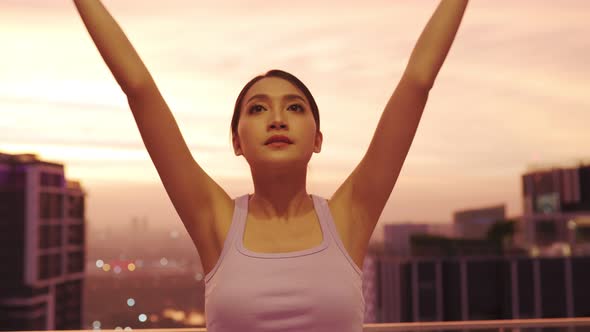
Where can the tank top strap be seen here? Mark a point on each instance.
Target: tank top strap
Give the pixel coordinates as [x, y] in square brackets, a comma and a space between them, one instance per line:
[326, 218]
[242, 201]
[234, 228]
[239, 217]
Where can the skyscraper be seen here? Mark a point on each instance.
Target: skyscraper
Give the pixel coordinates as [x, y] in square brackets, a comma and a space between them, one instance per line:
[556, 205]
[42, 245]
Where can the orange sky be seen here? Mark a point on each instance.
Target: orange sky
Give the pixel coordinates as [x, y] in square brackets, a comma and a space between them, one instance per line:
[512, 93]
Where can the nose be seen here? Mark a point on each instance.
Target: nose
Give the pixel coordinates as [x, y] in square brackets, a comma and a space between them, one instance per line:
[277, 121]
[278, 124]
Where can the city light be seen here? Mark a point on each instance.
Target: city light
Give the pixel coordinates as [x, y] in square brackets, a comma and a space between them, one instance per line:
[195, 318]
[127, 328]
[142, 318]
[130, 302]
[176, 315]
[571, 224]
[106, 267]
[96, 324]
[534, 251]
[117, 269]
[164, 261]
[99, 263]
[131, 267]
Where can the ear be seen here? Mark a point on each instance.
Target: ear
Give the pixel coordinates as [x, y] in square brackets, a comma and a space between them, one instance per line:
[237, 146]
[319, 138]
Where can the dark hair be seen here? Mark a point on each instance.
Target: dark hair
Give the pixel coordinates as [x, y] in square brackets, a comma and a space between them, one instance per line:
[274, 73]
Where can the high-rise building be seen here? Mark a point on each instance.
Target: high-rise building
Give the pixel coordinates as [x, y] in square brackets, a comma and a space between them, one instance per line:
[480, 288]
[474, 223]
[556, 206]
[42, 245]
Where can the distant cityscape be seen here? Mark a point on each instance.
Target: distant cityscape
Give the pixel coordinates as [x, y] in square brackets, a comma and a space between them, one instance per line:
[62, 273]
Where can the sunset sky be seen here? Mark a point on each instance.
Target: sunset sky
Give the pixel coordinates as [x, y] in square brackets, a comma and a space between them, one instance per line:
[513, 93]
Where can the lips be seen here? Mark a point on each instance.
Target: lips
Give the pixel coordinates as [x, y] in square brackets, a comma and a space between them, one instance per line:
[278, 138]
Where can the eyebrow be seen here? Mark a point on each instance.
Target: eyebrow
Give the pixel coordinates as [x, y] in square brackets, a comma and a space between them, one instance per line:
[264, 96]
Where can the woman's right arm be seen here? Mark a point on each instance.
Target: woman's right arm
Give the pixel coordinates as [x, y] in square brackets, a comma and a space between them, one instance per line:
[195, 196]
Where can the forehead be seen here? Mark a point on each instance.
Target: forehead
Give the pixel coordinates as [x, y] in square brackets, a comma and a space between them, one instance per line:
[274, 87]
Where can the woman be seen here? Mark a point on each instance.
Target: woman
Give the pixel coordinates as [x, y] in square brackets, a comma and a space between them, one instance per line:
[280, 258]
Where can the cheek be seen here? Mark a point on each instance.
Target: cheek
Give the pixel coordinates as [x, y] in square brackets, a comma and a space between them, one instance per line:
[311, 126]
[247, 131]
[310, 135]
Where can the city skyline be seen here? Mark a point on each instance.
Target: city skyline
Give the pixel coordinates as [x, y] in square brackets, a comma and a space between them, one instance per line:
[519, 68]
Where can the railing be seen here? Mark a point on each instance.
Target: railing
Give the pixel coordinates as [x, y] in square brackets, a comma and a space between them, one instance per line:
[512, 325]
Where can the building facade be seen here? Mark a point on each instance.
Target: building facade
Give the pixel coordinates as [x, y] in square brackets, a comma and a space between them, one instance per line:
[480, 288]
[556, 207]
[43, 245]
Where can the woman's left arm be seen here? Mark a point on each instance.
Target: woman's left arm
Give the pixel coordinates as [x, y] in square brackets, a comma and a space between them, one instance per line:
[372, 181]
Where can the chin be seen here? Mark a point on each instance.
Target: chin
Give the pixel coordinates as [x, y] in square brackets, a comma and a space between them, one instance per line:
[280, 163]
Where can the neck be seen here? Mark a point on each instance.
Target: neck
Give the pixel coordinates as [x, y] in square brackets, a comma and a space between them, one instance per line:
[280, 194]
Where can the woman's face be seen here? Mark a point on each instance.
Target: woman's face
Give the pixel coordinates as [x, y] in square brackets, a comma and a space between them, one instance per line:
[274, 106]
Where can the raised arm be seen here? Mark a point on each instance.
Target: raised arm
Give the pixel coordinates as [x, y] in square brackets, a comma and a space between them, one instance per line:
[369, 186]
[435, 42]
[113, 46]
[194, 194]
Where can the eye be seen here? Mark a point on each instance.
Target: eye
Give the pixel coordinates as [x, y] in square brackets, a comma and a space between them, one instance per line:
[254, 108]
[297, 106]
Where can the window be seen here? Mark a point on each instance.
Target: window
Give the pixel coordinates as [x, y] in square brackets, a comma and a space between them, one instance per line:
[50, 205]
[76, 234]
[49, 266]
[49, 236]
[52, 180]
[5, 177]
[76, 207]
[12, 178]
